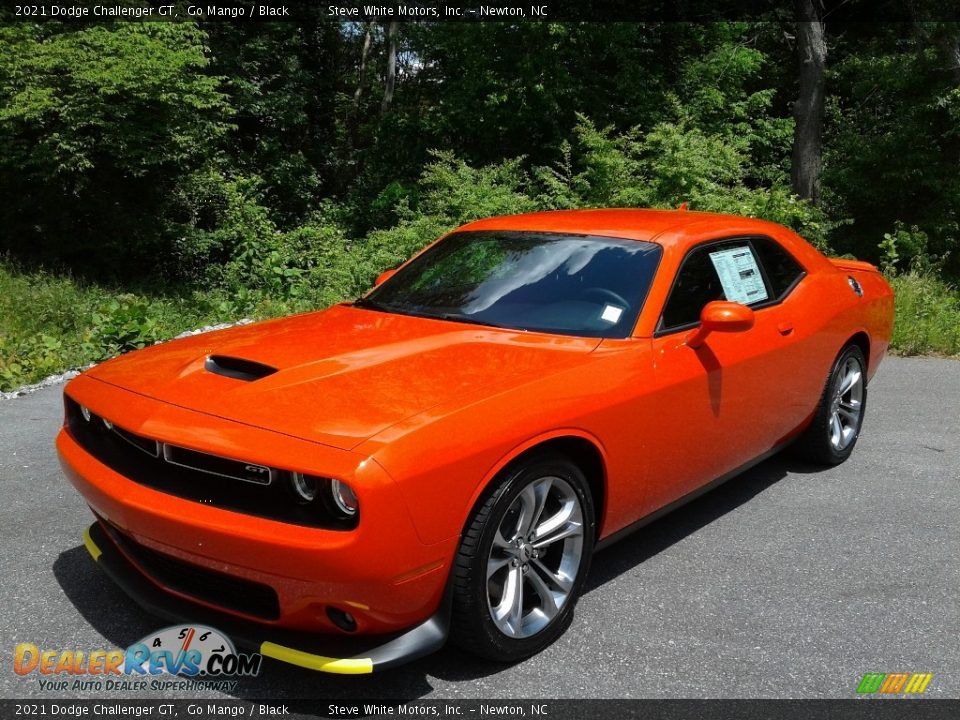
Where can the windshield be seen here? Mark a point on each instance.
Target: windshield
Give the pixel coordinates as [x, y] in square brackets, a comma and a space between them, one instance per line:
[549, 282]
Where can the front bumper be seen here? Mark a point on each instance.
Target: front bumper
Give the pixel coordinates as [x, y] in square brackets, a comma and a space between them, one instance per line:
[380, 572]
[334, 654]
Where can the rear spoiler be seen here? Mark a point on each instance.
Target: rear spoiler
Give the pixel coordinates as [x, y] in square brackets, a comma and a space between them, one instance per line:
[853, 265]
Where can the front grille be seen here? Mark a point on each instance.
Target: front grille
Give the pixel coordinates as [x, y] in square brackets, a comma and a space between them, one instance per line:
[209, 479]
[216, 465]
[151, 447]
[231, 593]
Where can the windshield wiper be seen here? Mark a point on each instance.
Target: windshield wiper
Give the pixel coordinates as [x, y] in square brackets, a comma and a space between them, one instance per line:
[464, 319]
[364, 302]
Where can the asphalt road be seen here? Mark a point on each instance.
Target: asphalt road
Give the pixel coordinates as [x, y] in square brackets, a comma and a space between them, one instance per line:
[788, 582]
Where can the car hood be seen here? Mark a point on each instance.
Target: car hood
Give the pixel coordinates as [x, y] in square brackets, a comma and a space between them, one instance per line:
[342, 375]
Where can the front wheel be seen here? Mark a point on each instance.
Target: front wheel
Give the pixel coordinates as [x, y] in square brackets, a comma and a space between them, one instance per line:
[836, 424]
[523, 559]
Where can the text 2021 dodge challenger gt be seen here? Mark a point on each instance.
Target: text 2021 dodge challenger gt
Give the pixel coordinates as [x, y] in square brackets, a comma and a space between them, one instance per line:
[344, 489]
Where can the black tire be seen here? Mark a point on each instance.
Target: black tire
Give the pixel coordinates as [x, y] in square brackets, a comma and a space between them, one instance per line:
[473, 627]
[815, 444]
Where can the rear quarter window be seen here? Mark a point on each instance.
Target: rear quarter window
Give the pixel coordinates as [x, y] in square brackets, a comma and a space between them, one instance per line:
[782, 270]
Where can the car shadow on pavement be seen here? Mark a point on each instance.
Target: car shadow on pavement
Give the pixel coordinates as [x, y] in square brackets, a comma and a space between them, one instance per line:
[659, 535]
[121, 622]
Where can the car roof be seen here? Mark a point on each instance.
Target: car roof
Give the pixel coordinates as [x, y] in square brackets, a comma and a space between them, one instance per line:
[666, 227]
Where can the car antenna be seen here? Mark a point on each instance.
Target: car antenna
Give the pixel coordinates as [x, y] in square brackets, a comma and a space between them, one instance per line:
[683, 207]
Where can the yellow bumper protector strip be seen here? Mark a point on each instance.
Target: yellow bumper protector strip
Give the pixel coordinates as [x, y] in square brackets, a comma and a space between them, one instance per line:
[344, 666]
[92, 548]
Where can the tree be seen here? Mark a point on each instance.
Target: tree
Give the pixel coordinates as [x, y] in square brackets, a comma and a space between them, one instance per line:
[97, 125]
[950, 42]
[391, 76]
[808, 109]
[361, 73]
[290, 87]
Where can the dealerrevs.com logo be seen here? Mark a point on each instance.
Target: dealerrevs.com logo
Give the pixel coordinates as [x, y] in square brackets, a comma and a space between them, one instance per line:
[202, 655]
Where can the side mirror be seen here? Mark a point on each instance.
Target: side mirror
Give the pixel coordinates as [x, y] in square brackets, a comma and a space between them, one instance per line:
[384, 276]
[720, 316]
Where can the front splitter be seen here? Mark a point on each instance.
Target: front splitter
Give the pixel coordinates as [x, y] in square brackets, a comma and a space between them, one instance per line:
[350, 655]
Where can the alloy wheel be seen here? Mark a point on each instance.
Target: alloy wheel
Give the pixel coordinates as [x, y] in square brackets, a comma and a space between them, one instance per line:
[536, 553]
[847, 405]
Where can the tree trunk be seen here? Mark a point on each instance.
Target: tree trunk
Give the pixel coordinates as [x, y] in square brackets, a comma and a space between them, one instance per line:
[364, 55]
[808, 110]
[391, 79]
[950, 42]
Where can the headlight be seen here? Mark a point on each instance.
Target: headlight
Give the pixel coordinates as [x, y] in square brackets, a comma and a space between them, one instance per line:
[344, 498]
[305, 487]
[335, 496]
[85, 411]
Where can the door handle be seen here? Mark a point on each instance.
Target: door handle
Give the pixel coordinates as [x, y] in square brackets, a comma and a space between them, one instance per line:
[785, 328]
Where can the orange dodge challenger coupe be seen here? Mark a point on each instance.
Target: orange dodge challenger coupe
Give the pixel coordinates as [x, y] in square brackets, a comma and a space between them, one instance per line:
[345, 489]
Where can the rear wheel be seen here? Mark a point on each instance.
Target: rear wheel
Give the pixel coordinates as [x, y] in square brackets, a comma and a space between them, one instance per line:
[836, 425]
[523, 560]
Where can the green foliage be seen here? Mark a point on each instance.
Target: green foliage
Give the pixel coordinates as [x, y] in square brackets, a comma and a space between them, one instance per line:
[247, 169]
[219, 219]
[51, 323]
[452, 190]
[927, 309]
[600, 170]
[124, 323]
[33, 359]
[909, 248]
[927, 315]
[284, 85]
[82, 92]
[665, 167]
[450, 193]
[97, 124]
[892, 141]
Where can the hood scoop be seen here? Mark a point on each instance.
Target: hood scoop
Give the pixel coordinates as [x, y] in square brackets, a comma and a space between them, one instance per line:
[237, 368]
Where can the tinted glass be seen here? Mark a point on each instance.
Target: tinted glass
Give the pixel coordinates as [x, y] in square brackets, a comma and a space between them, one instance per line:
[550, 282]
[782, 270]
[699, 283]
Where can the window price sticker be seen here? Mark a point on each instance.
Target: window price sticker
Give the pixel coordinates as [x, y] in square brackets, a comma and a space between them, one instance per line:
[739, 275]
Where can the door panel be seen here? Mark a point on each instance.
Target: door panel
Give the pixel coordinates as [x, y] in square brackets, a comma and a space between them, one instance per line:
[734, 397]
[722, 402]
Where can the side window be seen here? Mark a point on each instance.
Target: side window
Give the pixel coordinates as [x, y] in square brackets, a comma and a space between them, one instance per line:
[719, 271]
[782, 270]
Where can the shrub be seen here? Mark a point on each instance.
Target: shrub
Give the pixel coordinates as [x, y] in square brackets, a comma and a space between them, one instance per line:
[98, 123]
[51, 323]
[225, 235]
[667, 166]
[927, 315]
[909, 249]
[450, 193]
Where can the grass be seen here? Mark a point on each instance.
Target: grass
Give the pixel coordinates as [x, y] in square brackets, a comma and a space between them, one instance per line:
[927, 316]
[51, 323]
